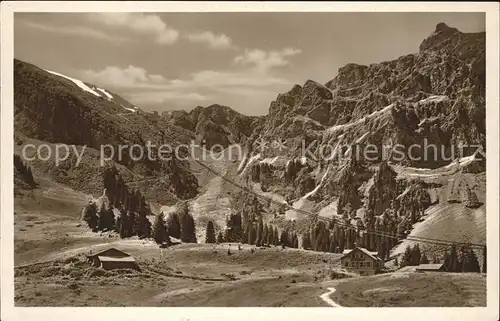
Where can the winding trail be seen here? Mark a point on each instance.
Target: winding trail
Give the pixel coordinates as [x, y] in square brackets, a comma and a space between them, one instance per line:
[326, 297]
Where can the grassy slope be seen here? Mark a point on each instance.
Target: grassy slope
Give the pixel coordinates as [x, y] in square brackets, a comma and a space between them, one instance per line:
[413, 290]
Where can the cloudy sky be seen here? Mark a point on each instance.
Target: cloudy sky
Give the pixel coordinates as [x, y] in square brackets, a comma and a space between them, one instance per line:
[171, 61]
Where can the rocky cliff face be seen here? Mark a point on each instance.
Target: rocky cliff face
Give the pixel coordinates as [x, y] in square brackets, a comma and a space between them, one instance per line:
[437, 93]
[433, 97]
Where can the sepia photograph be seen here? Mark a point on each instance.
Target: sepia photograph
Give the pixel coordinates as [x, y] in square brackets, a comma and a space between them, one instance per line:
[249, 158]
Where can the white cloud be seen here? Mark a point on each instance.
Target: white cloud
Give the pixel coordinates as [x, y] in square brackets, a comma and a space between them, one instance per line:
[79, 31]
[141, 23]
[205, 85]
[158, 97]
[213, 41]
[130, 77]
[266, 60]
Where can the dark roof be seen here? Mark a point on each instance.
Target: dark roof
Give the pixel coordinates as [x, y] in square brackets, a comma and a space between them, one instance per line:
[111, 252]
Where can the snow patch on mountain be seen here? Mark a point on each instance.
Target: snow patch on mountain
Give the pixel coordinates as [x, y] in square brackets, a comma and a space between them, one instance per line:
[315, 190]
[434, 99]
[250, 161]
[108, 95]
[77, 82]
[130, 109]
[360, 121]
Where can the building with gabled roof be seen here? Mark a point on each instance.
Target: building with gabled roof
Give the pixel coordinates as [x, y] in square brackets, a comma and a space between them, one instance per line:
[113, 258]
[438, 267]
[361, 261]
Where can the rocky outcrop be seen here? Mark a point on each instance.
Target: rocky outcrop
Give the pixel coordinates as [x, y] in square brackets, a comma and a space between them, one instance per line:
[432, 97]
[436, 95]
[215, 125]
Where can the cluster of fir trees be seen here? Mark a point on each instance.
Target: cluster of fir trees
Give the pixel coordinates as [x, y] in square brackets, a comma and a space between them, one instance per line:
[246, 225]
[463, 260]
[179, 224]
[413, 256]
[99, 219]
[133, 218]
[23, 169]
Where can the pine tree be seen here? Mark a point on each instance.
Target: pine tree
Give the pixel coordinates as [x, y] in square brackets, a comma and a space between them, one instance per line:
[90, 215]
[173, 225]
[424, 259]
[259, 231]
[159, 229]
[341, 240]
[220, 237]
[325, 243]
[188, 229]
[144, 223]
[454, 264]
[416, 255]
[124, 223]
[252, 233]
[295, 241]
[473, 262]
[106, 218]
[407, 257]
[265, 233]
[270, 235]
[306, 241]
[283, 238]
[446, 261]
[381, 250]
[333, 244]
[210, 233]
[483, 269]
[29, 176]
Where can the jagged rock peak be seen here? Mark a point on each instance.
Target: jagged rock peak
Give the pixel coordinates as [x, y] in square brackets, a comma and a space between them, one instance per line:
[438, 38]
[443, 26]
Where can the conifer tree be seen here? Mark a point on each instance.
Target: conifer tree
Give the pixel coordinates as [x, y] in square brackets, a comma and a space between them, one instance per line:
[270, 235]
[473, 262]
[416, 255]
[483, 269]
[333, 244]
[295, 241]
[220, 237]
[306, 241]
[210, 233]
[381, 251]
[265, 233]
[106, 218]
[124, 222]
[424, 259]
[90, 215]
[259, 231]
[407, 257]
[159, 229]
[283, 238]
[252, 233]
[453, 267]
[188, 230]
[341, 241]
[173, 225]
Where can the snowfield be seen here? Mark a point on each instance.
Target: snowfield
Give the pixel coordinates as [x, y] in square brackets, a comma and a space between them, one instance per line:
[77, 82]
